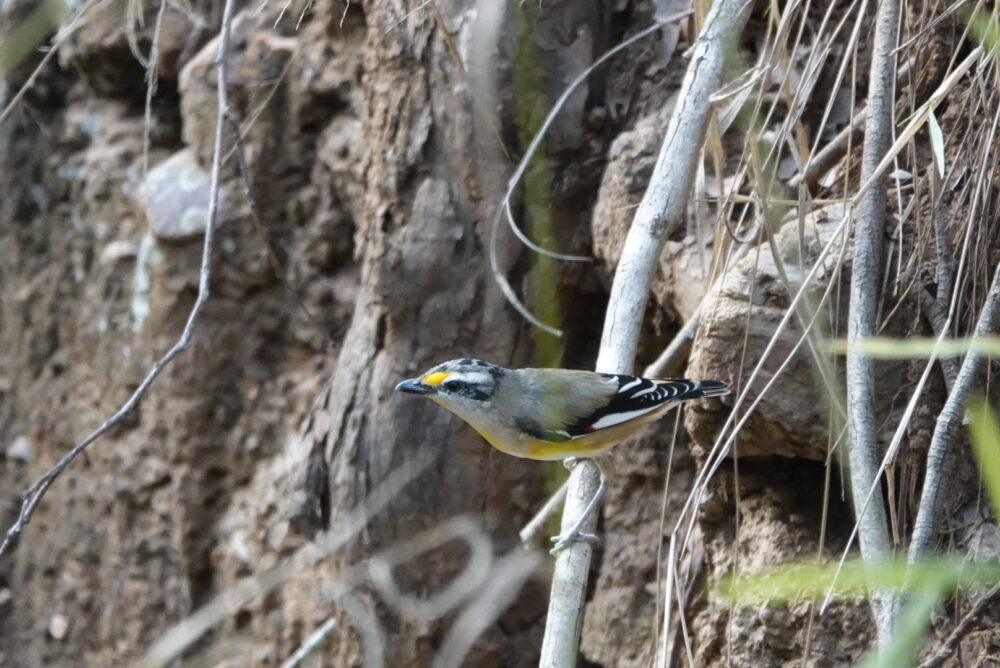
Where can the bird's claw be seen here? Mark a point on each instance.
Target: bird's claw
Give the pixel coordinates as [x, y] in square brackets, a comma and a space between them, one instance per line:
[562, 542]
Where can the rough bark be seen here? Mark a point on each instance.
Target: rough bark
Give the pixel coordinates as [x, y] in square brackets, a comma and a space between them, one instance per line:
[374, 168]
[873, 532]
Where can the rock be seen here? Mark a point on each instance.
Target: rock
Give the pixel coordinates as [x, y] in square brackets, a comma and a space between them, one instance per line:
[108, 44]
[255, 54]
[20, 449]
[791, 418]
[58, 626]
[177, 195]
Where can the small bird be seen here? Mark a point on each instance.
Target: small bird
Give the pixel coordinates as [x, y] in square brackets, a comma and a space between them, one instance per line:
[552, 414]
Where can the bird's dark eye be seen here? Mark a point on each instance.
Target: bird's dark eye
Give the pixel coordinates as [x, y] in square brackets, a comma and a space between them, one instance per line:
[453, 386]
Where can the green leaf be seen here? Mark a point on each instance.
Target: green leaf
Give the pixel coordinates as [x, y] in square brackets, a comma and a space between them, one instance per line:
[937, 140]
[885, 348]
[985, 434]
[794, 582]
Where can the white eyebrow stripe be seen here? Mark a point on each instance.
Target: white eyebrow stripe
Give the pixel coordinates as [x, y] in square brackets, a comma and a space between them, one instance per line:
[618, 418]
[625, 388]
[473, 378]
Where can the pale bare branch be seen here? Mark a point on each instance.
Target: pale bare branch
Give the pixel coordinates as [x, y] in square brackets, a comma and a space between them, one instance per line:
[661, 210]
[862, 316]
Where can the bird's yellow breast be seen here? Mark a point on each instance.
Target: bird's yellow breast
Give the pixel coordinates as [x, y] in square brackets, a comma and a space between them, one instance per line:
[520, 444]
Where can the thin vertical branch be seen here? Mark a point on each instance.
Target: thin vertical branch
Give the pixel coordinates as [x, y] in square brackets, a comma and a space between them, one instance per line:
[941, 456]
[33, 495]
[862, 318]
[661, 210]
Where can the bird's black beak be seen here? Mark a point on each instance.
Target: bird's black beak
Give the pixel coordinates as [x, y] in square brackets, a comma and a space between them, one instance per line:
[414, 386]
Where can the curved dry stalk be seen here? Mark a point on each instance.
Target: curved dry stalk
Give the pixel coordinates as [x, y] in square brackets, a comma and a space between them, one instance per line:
[364, 621]
[536, 141]
[33, 495]
[662, 208]
[866, 265]
[504, 209]
[496, 595]
[187, 631]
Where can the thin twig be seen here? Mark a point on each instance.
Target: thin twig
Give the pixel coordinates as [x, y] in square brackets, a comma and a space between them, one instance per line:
[948, 646]
[34, 494]
[820, 163]
[537, 523]
[152, 77]
[64, 33]
[180, 636]
[916, 123]
[680, 345]
[938, 318]
[495, 595]
[311, 643]
[504, 210]
[862, 316]
[661, 210]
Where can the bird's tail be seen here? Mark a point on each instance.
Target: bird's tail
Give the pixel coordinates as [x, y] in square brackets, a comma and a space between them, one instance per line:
[711, 388]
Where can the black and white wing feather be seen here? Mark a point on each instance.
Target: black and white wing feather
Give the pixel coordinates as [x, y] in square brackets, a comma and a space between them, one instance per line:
[636, 397]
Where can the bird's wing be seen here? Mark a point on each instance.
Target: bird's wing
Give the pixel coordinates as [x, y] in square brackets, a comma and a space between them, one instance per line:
[570, 404]
[634, 398]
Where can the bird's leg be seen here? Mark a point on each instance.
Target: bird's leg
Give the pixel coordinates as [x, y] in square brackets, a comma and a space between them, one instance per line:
[575, 534]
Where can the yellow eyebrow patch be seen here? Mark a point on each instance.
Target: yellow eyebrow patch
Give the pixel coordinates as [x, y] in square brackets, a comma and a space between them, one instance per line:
[434, 379]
